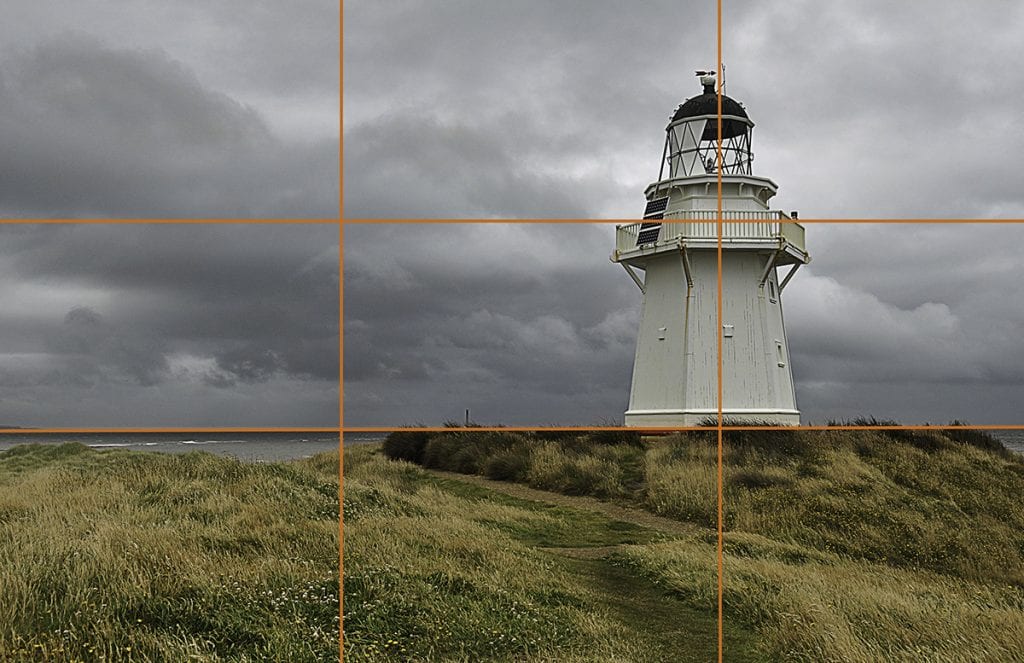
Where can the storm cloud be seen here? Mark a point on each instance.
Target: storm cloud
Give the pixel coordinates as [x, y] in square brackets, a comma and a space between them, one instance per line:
[546, 110]
[154, 111]
[169, 325]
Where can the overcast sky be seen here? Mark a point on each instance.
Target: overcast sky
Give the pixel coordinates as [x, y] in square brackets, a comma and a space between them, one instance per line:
[191, 108]
[168, 325]
[534, 109]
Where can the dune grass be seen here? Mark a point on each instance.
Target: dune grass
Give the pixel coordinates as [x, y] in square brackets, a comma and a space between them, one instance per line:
[840, 545]
[439, 570]
[131, 556]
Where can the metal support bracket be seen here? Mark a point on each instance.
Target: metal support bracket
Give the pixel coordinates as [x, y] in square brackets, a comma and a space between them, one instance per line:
[632, 275]
[768, 267]
[686, 265]
[782, 285]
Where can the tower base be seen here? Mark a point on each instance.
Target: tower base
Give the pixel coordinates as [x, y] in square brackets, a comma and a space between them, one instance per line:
[706, 417]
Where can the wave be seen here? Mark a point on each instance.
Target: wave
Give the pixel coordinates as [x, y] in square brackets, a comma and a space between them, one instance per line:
[99, 445]
[212, 441]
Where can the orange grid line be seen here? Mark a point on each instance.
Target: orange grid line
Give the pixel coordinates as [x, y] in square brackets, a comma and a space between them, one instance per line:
[206, 221]
[386, 221]
[174, 429]
[341, 331]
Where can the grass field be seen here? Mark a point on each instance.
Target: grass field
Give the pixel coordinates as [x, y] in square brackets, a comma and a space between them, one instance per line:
[441, 570]
[840, 546]
[129, 556]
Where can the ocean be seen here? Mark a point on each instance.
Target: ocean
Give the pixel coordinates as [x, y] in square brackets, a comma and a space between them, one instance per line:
[260, 447]
[1011, 439]
[264, 447]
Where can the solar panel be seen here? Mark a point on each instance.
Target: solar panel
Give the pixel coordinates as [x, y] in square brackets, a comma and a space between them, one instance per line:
[656, 208]
[648, 233]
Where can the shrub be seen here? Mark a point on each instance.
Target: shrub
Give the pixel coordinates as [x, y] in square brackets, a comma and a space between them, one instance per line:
[628, 437]
[508, 465]
[467, 452]
[406, 445]
[555, 435]
[975, 438]
[552, 467]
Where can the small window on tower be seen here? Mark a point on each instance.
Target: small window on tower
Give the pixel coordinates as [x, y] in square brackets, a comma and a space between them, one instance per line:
[778, 351]
[771, 290]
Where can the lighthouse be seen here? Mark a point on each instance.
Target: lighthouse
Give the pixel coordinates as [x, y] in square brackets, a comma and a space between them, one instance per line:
[672, 257]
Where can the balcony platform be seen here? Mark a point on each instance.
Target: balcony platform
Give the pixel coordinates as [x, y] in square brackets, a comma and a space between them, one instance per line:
[698, 230]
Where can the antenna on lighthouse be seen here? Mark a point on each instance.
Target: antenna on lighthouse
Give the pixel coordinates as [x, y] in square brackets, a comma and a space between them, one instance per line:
[707, 79]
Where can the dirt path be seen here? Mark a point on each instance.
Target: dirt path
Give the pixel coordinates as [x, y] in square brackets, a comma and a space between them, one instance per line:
[669, 628]
[583, 503]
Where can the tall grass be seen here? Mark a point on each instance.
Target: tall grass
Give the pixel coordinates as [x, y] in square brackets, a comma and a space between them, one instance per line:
[840, 544]
[118, 556]
[432, 575]
[820, 607]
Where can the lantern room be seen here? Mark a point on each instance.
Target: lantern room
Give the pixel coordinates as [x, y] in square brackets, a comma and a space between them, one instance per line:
[692, 135]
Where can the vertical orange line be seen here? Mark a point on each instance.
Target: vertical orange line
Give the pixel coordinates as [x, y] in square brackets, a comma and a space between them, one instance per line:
[720, 542]
[341, 439]
[341, 108]
[341, 331]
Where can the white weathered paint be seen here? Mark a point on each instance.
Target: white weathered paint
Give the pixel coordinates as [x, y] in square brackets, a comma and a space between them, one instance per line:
[675, 372]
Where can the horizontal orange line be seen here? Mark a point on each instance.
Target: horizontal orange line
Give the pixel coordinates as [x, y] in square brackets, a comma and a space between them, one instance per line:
[622, 221]
[162, 221]
[660, 429]
[44, 431]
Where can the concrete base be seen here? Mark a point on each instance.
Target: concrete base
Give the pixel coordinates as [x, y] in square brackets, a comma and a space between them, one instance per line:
[689, 418]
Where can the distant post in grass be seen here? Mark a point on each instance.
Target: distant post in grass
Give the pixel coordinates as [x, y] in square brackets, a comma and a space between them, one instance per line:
[672, 257]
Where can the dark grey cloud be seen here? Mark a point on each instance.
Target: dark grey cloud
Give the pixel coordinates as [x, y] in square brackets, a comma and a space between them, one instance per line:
[510, 109]
[169, 325]
[531, 324]
[513, 322]
[223, 109]
[525, 109]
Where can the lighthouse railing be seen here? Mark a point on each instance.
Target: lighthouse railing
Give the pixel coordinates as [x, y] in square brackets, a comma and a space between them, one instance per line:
[703, 225]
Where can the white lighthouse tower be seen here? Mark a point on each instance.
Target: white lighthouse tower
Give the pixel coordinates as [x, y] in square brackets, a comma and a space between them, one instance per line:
[672, 257]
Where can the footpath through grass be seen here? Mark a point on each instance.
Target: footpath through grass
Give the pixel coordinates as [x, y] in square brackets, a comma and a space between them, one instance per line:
[840, 545]
[438, 569]
[133, 556]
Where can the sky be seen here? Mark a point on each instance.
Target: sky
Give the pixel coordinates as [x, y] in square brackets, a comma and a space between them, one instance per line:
[536, 109]
[170, 325]
[154, 109]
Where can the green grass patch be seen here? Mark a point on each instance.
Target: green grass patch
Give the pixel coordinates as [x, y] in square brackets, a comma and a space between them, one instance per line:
[117, 555]
[438, 569]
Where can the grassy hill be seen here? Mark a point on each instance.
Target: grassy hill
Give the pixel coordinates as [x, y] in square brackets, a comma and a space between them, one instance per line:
[840, 545]
[129, 556]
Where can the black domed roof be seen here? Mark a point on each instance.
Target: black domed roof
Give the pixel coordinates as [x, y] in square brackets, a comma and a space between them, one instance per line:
[707, 104]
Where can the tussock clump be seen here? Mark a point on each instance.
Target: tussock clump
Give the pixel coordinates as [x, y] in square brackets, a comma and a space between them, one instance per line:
[613, 437]
[975, 438]
[406, 445]
[597, 473]
[468, 451]
[511, 465]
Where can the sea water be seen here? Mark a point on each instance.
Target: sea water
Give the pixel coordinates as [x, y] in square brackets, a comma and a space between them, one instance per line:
[264, 447]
